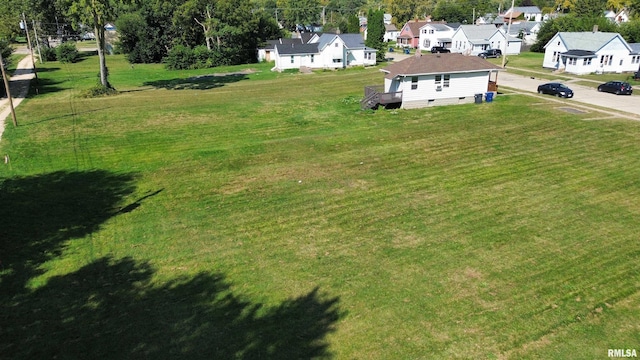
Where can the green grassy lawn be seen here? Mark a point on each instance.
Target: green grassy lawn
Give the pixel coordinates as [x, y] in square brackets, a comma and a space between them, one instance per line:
[240, 213]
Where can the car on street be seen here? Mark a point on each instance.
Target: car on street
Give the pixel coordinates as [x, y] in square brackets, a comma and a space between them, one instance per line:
[557, 89]
[491, 53]
[439, 49]
[616, 87]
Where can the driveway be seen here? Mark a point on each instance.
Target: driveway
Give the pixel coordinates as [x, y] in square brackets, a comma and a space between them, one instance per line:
[585, 95]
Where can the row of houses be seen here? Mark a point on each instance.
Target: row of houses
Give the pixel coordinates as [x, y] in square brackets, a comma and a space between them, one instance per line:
[318, 51]
[466, 39]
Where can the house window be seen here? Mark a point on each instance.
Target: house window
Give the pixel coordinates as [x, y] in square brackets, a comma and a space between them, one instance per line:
[438, 82]
[635, 59]
[606, 59]
[337, 61]
[447, 77]
[427, 43]
[292, 59]
[556, 56]
[621, 62]
[572, 61]
[414, 82]
[586, 61]
[311, 57]
[430, 31]
[336, 45]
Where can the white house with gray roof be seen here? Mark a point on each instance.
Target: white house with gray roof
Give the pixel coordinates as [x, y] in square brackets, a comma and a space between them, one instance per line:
[329, 51]
[473, 39]
[435, 34]
[590, 52]
[528, 13]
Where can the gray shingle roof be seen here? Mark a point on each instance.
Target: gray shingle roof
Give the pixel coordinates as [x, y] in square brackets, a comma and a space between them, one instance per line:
[478, 32]
[586, 40]
[296, 49]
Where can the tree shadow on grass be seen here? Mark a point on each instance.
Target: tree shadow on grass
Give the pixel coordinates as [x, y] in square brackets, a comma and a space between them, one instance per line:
[39, 213]
[112, 308]
[203, 82]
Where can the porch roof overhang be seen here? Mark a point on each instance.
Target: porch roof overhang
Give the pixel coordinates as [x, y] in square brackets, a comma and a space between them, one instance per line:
[579, 54]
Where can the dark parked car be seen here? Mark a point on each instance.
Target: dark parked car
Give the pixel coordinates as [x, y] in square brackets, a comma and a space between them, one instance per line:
[491, 53]
[439, 49]
[616, 87]
[557, 89]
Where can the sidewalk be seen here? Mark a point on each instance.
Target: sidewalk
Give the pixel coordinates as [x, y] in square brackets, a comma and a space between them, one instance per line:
[19, 87]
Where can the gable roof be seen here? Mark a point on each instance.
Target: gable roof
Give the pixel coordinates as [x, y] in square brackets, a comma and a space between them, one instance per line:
[438, 64]
[525, 9]
[296, 49]
[437, 26]
[414, 27]
[478, 33]
[635, 48]
[586, 40]
[351, 41]
[390, 27]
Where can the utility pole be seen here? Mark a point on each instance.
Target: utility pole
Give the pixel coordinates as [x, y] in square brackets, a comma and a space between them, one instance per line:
[6, 86]
[35, 33]
[33, 61]
[506, 37]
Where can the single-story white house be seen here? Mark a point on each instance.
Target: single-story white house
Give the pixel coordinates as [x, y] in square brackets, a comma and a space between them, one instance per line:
[434, 79]
[329, 51]
[590, 52]
[474, 39]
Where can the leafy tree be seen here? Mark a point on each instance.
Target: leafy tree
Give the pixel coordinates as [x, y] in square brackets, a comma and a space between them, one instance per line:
[97, 13]
[375, 32]
[448, 11]
[630, 31]
[299, 12]
[589, 8]
[570, 23]
[141, 42]
[402, 10]
[353, 24]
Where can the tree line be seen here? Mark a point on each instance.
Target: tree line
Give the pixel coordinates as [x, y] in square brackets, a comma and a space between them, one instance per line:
[200, 33]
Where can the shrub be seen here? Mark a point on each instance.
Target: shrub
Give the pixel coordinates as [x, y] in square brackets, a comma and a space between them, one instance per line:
[67, 52]
[48, 54]
[180, 57]
[202, 57]
[99, 90]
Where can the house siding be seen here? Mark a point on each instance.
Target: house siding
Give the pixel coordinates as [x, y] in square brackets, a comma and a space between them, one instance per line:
[612, 57]
[462, 89]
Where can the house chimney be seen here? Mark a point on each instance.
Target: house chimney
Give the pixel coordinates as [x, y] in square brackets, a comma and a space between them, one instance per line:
[595, 28]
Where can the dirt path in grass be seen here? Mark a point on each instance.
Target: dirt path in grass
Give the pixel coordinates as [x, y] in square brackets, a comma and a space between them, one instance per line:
[19, 88]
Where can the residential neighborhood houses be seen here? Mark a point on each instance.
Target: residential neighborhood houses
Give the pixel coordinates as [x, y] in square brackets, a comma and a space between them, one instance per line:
[590, 52]
[572, 52]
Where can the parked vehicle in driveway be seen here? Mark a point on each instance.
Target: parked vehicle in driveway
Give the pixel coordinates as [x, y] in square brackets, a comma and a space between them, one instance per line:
[491, 53]
[557, 89]
[439, 49]
[616, 87]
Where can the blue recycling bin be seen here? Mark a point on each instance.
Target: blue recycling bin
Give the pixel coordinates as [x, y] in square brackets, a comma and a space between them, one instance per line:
[407, 51]
[489, 97]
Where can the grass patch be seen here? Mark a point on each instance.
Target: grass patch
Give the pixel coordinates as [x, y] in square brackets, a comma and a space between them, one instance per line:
[269, 217]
